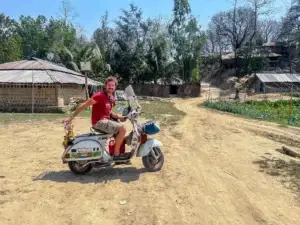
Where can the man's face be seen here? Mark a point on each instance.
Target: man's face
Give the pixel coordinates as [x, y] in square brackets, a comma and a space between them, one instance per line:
[110, 87]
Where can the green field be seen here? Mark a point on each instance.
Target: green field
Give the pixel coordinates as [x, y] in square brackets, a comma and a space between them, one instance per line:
[282, 111]
[163, 111]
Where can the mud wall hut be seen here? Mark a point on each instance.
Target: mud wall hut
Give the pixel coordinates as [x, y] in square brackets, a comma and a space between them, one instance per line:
[40, 85]
[165, 89]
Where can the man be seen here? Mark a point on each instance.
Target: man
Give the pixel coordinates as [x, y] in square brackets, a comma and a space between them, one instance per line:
[102, 103]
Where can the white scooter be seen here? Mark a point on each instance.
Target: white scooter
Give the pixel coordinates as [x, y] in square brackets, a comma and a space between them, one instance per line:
[85, 151]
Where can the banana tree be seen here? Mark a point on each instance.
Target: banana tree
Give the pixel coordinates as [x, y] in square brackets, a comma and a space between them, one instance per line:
[89, 52]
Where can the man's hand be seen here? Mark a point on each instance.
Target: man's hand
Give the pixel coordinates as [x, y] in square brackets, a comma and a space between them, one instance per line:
[67, 120]
[117, 117]
[122, 118]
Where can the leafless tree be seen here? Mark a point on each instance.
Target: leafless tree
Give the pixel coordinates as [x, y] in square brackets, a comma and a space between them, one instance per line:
[269, 29]
[259, 7]
[216, 43]
[67, 12]
[235, 26]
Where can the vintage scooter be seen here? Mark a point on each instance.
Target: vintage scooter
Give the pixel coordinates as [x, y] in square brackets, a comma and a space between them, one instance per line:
[95, 149]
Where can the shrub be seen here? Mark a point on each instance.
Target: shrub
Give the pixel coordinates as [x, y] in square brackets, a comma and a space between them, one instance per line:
[281, 111]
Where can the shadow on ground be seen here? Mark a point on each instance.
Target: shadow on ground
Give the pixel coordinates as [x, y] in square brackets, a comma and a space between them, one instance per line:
[104, 175]
[287, 171]
[290, 141]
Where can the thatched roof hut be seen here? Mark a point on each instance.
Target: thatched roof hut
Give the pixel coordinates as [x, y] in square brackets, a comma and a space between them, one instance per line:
[39, 84]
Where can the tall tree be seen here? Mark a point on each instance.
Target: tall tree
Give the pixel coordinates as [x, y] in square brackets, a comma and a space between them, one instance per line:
[269, 29]
[33, 35]
[216, 42]
[187, 40]
[10, 41]
[159, 52]
[67, 12]
[290, 33]
[129, 51]
[236, 26]
[259, 7]
[104, 37]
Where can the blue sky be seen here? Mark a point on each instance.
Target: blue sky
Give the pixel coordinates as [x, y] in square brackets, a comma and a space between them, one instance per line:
[90, 11]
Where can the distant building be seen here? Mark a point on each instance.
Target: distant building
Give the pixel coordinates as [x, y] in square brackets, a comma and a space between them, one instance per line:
[274, 83]
[276, 53]
[167, 88]
[41, 84]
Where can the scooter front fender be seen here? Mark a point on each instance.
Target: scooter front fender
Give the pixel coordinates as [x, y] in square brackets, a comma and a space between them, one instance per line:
[146, 148]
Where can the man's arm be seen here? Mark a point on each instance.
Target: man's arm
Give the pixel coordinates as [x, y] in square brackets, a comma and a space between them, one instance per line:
[84, 105]
[116, 116]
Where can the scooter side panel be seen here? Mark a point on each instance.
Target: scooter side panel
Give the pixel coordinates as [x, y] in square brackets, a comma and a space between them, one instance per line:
[146, 148]
[99, 138]
[85, 150]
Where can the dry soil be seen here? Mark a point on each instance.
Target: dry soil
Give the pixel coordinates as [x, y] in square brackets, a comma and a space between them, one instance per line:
[219, 169]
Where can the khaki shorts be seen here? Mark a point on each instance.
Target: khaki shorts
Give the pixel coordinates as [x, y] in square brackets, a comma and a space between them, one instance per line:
[108, 126]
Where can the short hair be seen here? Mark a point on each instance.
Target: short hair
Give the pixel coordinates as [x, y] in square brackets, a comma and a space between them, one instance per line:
[111, 78]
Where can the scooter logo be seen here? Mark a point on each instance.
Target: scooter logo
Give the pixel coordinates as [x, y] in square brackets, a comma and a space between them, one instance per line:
[84, 149]
[86, 153]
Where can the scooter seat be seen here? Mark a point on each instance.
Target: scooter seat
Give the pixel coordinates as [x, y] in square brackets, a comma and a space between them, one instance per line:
[98, 131]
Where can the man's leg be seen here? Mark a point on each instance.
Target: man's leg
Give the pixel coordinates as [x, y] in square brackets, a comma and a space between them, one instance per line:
[113, 127]
[119, 139]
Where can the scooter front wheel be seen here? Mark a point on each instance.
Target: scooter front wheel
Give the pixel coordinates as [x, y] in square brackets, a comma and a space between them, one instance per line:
[151, 163]
[79, 168]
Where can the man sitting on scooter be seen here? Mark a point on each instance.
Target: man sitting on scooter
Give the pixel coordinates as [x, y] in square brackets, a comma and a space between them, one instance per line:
[102, 103]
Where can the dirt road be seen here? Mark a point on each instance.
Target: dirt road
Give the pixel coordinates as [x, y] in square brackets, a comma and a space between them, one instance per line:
[219, 169]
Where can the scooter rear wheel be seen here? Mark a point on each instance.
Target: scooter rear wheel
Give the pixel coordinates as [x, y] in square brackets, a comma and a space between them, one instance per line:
[151, 164]
[78, 168]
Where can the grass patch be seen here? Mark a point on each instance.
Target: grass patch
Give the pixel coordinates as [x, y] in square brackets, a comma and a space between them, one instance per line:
[285, 112]
[288, 172]
[293, 94]
[163, 111]
[10, 117]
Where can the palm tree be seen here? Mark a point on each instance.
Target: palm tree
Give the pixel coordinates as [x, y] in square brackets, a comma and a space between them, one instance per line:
[85, 53]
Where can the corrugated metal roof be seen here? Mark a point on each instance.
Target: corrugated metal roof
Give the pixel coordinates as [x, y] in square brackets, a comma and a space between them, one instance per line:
[255, 54]
[36, 64]
[230, 55]
[42, 71]
[42, 76]
[173, 81]
[272, 43]
[278, 78]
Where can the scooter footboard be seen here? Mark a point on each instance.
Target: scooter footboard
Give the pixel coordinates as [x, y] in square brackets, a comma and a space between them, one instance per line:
[84, 150]
[146, 148]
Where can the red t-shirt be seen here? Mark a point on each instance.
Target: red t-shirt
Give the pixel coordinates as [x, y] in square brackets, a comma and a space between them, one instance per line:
[102, 109]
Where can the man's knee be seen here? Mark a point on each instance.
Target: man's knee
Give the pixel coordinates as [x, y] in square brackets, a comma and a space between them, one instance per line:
[122, 130]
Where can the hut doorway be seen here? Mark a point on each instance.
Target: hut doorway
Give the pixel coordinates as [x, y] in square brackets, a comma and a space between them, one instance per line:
[173, 90]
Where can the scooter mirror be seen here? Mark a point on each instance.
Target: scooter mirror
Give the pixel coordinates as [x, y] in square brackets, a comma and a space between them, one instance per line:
[129, 93]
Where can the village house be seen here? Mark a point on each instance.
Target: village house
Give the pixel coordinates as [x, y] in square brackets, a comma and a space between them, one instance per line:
[276, 83]
[276, 53]
[39, 85]
[165, 89]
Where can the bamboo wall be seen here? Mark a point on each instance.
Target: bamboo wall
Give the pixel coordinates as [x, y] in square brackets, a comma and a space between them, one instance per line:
[45, 98]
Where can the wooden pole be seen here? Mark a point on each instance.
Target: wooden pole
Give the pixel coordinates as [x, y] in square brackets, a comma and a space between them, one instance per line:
[86, 87]
[32, 94]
